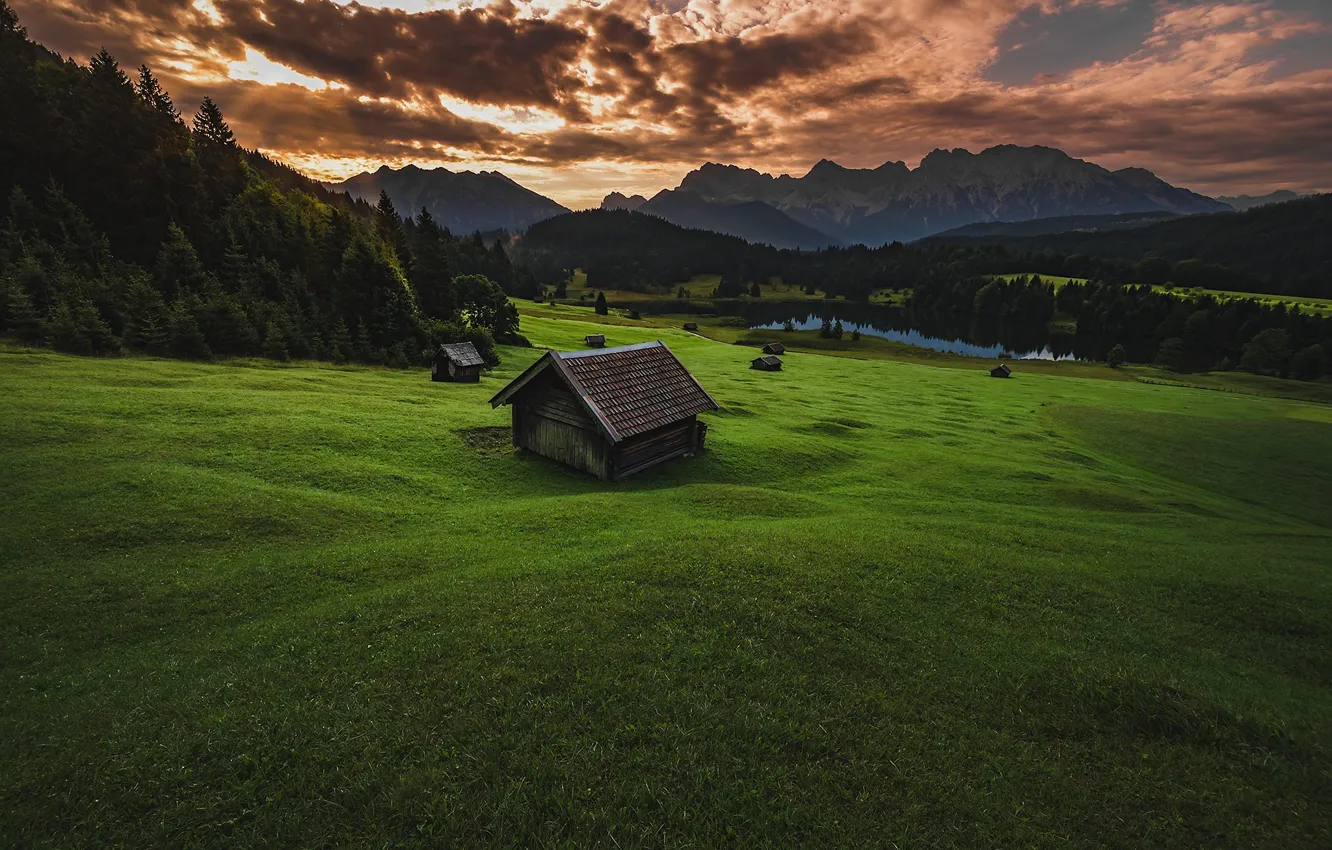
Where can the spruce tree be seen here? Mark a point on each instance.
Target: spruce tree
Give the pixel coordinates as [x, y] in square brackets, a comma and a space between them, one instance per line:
[22, 319]
[389, 226]
[184, 337]
[64, 331]
[210, 126]
[179, 270]
[152, 94]
[275, 343]
[339, 342]
[601, 304]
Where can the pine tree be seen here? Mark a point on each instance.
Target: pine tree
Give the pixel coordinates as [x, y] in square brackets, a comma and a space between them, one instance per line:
[754, 290]
[64, 332]
[275, 343]
[364, 350]
[212, 127]
[22, 319]
[9, 21]
[184, 337]
[340, 343]
[388, 224]
[179, 270]
[152, 94]
[601, 304]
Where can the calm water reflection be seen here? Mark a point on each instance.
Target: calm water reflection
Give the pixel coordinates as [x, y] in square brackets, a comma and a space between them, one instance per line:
[967, 335]
[962, 343]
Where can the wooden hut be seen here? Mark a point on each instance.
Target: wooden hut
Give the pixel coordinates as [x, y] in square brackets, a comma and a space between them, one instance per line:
[595, 340]
[766, 363]
[458, 362]
[1001, 371]
[612, 412]
[691, 326]
[774, 348]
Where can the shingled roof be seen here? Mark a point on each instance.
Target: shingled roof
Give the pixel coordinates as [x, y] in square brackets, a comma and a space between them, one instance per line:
[461, 353]
[630, 390]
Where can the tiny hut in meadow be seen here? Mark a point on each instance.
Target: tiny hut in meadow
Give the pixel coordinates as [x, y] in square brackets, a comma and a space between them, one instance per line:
[612, 412]
[691, 326]
[595, 340]
[767, 363]
[774, 348]
[458, 362]
[1001, 371]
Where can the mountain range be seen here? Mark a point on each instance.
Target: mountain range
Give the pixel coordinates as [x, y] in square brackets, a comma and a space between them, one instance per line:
[893, 202]
[462, 201]
[1248, 202]
[831, 205]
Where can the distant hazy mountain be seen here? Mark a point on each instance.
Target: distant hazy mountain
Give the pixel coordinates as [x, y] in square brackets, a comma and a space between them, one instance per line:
[950, 189]
[1060, 224]
[1248, 202]
[616, 201]
[462, 201]
[753, 221]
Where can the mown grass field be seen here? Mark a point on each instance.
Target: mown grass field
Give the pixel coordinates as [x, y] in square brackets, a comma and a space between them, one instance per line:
[891, 605]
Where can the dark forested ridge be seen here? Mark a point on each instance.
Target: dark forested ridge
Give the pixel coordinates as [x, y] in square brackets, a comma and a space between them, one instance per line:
[1281, 249]
[122, 226]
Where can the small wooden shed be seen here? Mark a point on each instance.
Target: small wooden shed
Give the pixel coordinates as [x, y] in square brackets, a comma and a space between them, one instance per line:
[458, 362]
[691, 326]
[1001, 371]
[774, 348]
[612, 412]
[767, 363]
[595, 340]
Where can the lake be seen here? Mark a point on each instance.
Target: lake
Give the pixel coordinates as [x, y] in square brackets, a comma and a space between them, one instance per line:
[971, 336]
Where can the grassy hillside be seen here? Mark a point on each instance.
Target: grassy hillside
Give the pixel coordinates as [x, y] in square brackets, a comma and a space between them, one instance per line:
[891, 605]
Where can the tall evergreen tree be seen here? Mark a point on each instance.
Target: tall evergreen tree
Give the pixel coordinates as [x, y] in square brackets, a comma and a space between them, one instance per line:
[155, 97]
[211, 127]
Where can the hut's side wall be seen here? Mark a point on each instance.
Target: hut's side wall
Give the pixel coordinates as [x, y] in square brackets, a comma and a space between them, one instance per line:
[550, 422]
[670, 441]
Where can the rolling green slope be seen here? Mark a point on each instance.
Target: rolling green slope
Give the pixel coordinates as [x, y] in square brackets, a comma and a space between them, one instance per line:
[890, 604]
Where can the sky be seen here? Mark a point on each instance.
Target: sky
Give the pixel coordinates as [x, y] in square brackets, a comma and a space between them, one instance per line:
[578, 98]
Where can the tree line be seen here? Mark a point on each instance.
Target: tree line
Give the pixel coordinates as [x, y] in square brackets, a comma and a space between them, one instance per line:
[1184, 334]
[123, 227]
[1181, 330]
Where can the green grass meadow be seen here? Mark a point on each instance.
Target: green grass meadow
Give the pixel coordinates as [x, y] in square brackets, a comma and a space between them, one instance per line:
[891, 605]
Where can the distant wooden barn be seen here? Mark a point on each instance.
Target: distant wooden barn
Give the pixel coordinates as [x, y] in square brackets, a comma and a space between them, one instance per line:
[691, 326]
[1001, 371]
[612, 412]
[595, 340]
[458, 362]
[767, 363]
[774, 348]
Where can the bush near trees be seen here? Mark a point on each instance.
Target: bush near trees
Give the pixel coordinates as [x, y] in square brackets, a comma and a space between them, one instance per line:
[1267, 352]
[1116, 357]
[187, 245]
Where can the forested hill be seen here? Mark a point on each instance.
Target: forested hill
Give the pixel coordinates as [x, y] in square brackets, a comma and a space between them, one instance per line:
[124, 227]
[1279, 248]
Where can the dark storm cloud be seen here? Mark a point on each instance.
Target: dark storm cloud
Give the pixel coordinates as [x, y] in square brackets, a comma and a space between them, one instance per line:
[487, 56]
[860, 81]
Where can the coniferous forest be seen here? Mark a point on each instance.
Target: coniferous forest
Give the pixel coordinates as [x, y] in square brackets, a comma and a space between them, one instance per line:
[126, 226]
